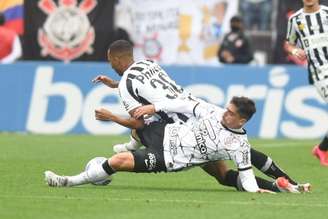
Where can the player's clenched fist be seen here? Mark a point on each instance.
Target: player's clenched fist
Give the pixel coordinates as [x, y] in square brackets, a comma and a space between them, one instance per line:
[103, 114]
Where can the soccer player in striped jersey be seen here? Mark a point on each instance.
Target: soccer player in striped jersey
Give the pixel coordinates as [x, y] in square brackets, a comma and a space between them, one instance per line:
[307, 38]
[145, 82]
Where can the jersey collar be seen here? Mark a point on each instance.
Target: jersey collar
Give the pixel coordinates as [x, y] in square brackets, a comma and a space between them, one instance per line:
[240, 131]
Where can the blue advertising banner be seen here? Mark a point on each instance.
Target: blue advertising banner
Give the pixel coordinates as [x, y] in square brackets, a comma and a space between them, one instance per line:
[54, 98]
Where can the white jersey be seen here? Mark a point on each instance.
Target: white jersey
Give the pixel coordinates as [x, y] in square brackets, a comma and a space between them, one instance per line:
[311, 31]
[145, 82]
[203, 139]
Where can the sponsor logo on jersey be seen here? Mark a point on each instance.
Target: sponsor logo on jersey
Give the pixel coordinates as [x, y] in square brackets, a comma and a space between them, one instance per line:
[151, 161]
[173, 141]
[200, 139]
[245, 157]
[66, 33]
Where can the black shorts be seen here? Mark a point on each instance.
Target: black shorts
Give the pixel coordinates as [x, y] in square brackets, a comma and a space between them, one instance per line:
[151, 158]
[152, 135]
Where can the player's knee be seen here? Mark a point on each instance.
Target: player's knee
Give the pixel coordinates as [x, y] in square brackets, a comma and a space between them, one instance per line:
[122, 161]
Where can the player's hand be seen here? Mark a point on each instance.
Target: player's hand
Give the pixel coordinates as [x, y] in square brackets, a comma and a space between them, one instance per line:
[227, 56]
[99, 78]
[265, 191]
[144, 110]
[103, 114]
[105, 80]
[299, 53]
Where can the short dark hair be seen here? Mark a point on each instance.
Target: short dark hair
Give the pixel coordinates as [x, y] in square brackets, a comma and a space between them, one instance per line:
[245, 106]
[121, 46]
[2, 18]
[236, 18]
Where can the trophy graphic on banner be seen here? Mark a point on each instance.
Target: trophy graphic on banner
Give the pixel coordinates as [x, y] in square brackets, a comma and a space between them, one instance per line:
[184, 32]
[212, 29]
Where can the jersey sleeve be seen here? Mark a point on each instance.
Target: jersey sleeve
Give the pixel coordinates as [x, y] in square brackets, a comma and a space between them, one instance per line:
[128, 94]
[184, 105]
[203, 109]
[291, 36]
[242, 159]
[248, 180]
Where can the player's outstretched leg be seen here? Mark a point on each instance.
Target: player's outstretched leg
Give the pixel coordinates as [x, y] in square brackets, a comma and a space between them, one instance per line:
[93, 174]
[321, 151]
[279, 185]
[267, 166]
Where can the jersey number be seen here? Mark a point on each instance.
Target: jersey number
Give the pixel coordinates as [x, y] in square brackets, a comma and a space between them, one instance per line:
[167, 85]
[324, 91]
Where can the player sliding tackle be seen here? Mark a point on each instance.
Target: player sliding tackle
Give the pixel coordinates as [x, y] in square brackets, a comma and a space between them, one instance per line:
[212, 134]
[145, 82]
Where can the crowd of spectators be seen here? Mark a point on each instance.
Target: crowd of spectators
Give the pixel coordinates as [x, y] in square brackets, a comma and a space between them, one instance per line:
[237, 46]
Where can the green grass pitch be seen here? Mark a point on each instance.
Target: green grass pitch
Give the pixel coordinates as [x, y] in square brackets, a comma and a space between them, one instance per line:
[189, 194]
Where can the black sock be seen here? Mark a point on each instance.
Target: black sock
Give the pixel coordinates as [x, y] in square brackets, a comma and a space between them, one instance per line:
[274, 171]
[258, 159]
[267, 166]
[231, 179]
[265, 184]
[324, 144]
[108, 169]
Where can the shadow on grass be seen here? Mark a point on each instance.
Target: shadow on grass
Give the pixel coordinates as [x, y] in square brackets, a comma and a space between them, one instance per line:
[154, 188]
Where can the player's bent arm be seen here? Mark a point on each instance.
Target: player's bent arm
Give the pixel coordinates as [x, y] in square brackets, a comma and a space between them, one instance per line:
[176, 105]
[290, 48]
[294, 50]
[241, 157]
[106, 115]
[248, 181]
[111, 83]
[131, 123]
[106, 80]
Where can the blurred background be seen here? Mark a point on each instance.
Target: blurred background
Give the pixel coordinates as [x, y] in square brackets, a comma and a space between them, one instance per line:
[51, 49]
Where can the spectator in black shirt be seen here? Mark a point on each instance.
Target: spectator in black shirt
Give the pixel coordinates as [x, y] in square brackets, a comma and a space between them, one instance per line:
[235, 47]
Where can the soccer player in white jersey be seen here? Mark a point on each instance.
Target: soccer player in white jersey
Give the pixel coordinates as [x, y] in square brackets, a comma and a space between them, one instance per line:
[212, 134]
[145, 82]
[307, 38]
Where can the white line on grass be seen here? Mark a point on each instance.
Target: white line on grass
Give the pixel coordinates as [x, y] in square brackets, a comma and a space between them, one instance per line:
[189, 201]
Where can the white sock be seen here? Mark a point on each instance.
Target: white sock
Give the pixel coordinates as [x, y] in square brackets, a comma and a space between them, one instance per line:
[267, 165]
[133, 144]
[94, 174]
[76, 180]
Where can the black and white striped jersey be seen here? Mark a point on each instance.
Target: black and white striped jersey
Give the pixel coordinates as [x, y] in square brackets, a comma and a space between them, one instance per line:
[310, 30]
[145, 82]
